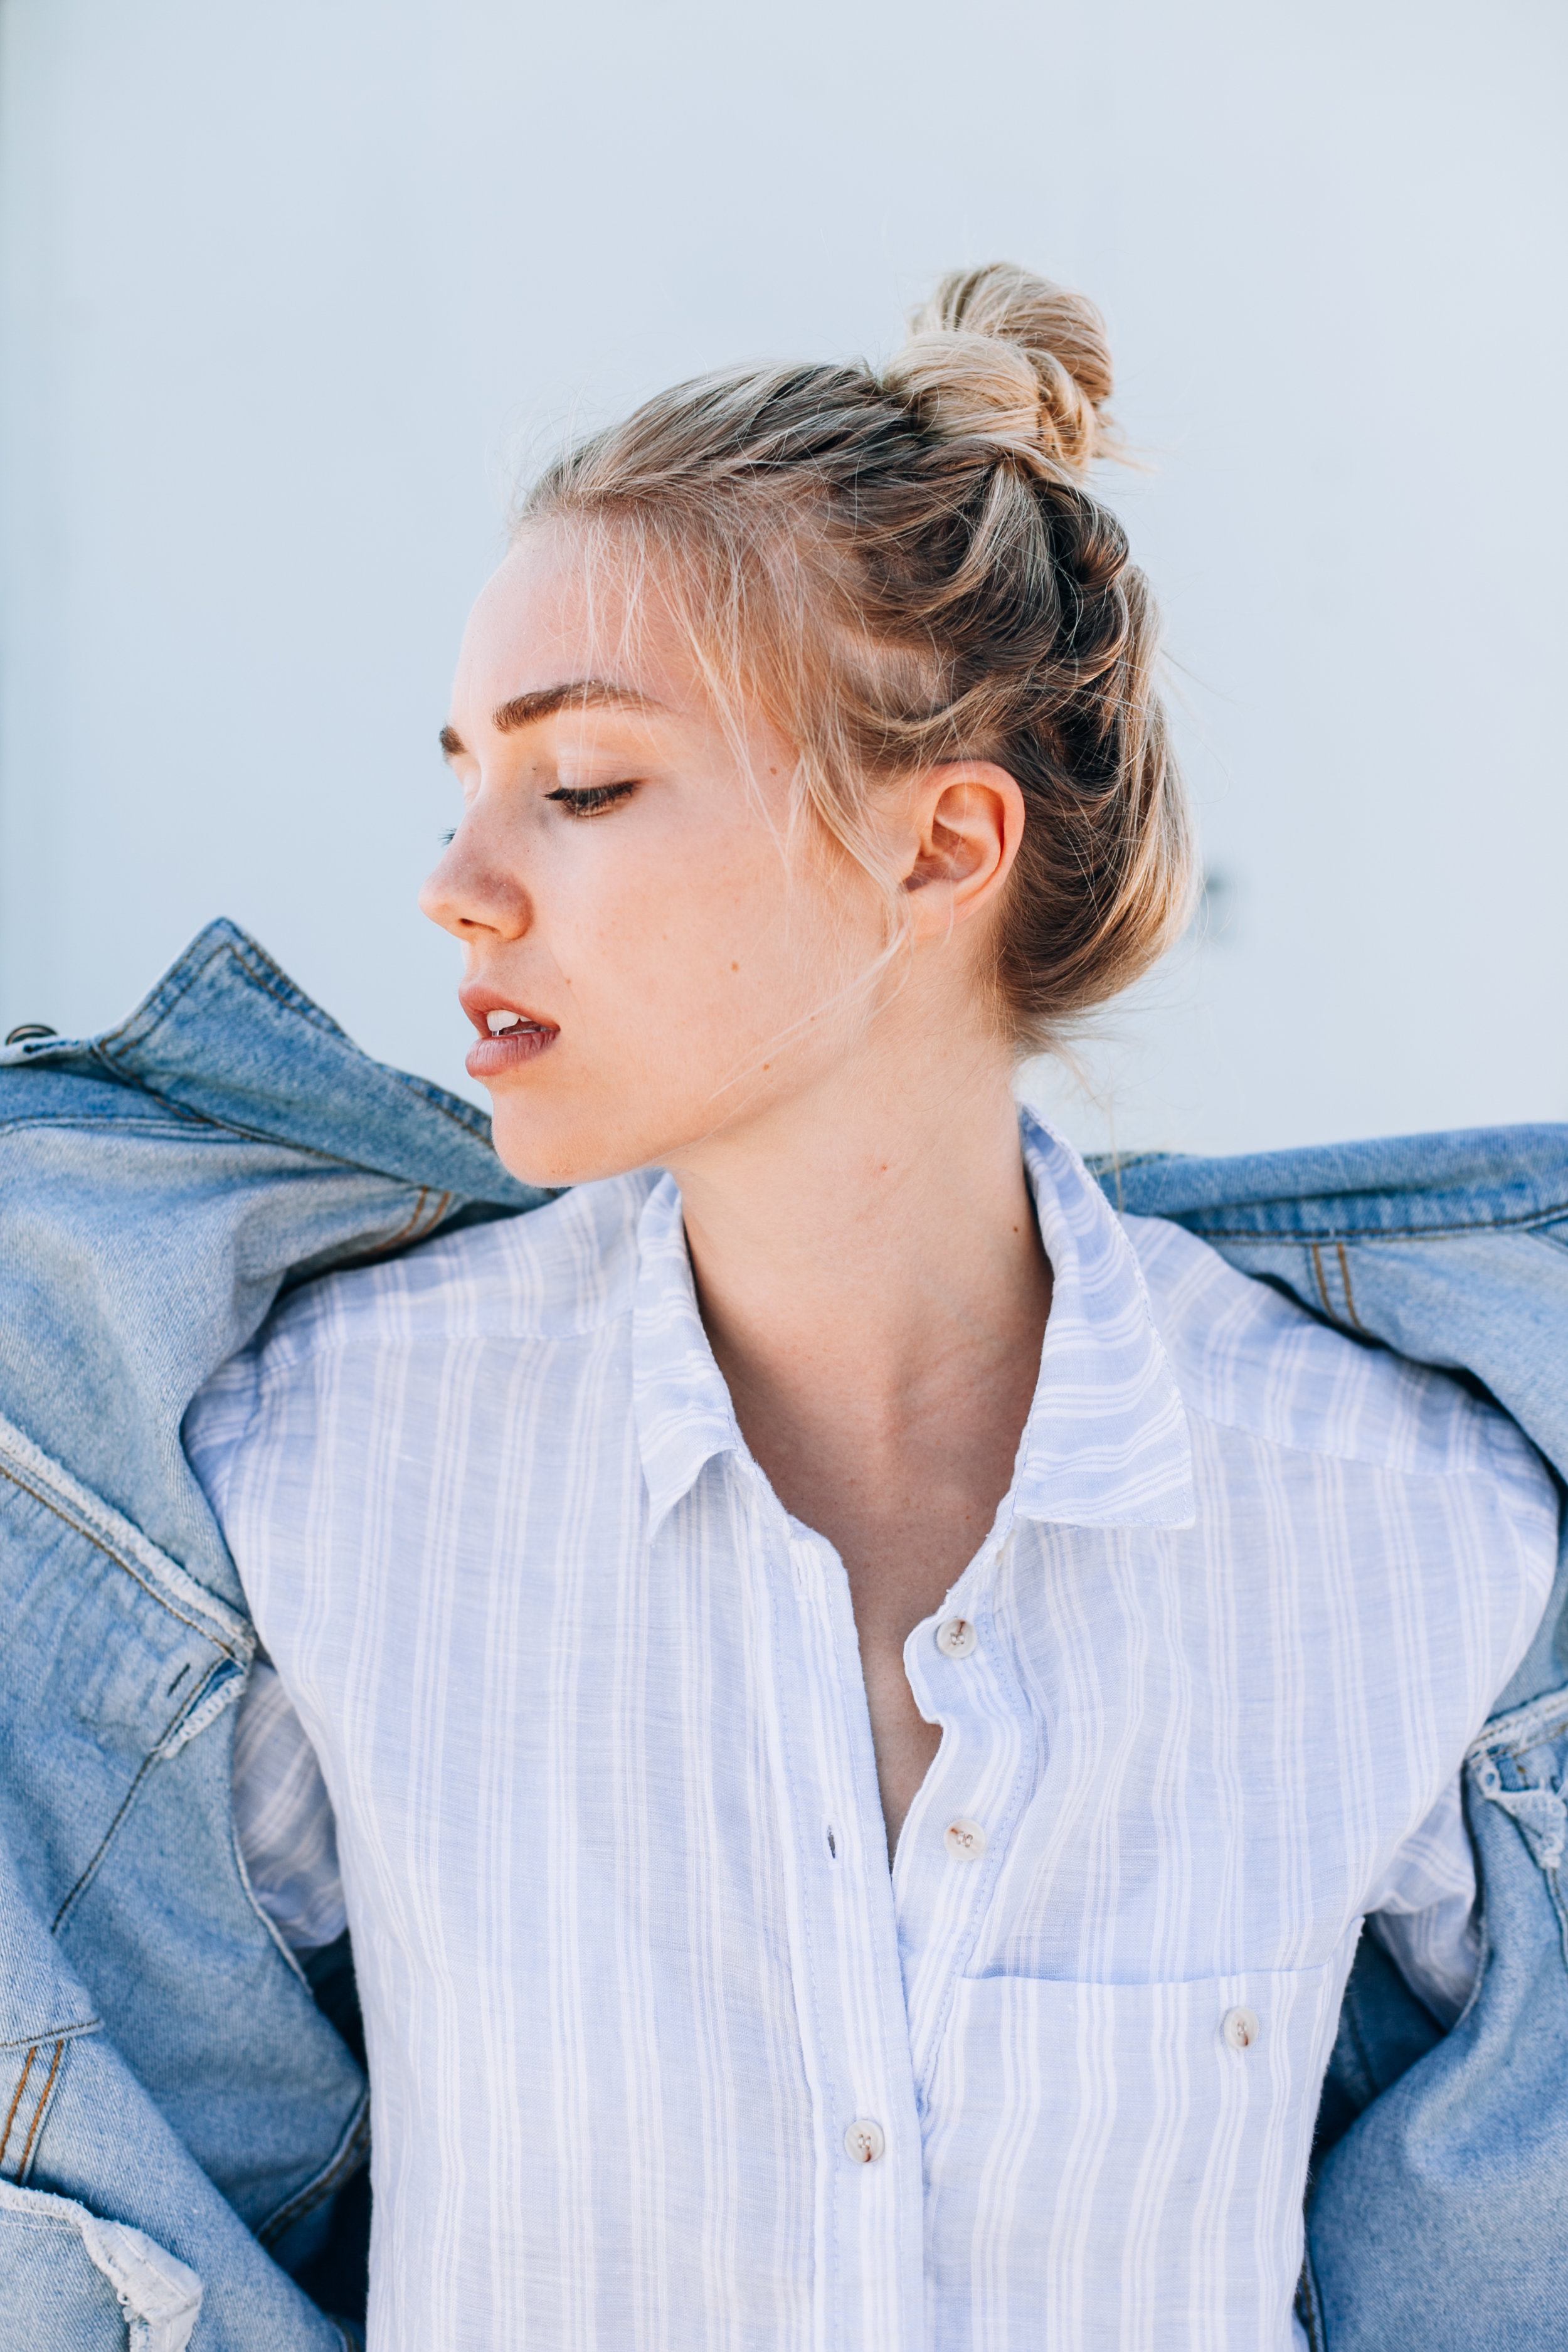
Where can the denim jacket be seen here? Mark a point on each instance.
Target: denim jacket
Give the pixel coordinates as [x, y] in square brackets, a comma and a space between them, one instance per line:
[184, 2118]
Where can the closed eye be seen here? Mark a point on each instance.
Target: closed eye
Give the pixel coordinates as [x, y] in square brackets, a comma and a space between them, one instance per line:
[588, 800]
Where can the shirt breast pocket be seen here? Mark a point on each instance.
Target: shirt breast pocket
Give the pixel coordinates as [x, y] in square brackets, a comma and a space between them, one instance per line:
[1125, 2162]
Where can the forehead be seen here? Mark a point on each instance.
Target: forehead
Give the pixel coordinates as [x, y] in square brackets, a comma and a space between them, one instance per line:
[556, 610]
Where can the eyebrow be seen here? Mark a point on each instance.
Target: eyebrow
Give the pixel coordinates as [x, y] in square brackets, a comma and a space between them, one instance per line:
[576, 693]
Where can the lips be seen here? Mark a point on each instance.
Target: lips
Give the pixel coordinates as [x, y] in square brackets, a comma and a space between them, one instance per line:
[510, 1037]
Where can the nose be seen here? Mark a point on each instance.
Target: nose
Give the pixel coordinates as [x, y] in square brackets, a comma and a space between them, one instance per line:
[475, 890]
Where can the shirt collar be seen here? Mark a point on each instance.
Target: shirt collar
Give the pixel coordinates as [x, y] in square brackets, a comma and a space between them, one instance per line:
[683, 1412]
[1106, 1442]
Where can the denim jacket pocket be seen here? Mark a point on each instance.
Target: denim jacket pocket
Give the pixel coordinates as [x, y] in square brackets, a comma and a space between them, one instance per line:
[1142, 2148]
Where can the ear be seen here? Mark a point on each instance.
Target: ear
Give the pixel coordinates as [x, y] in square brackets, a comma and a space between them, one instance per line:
[966, 820]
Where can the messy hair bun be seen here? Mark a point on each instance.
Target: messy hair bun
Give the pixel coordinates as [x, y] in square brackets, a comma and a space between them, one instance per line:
[1001, 354]
[907, 566]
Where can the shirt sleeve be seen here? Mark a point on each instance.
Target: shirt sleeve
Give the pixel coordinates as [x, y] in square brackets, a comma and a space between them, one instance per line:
[283, 1817]
[217, 1421]
[283, 1814]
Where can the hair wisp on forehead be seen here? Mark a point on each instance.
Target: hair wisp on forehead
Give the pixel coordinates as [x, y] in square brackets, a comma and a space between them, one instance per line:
[908, 568]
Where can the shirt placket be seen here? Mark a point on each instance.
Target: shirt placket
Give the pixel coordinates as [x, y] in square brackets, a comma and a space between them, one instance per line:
[854, 2039]
[958, 1831]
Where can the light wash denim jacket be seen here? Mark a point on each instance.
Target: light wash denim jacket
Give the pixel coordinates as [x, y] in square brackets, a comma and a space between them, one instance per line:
[182, 2124]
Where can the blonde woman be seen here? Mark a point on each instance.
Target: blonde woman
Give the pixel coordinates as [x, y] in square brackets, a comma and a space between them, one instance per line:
[866, 1698]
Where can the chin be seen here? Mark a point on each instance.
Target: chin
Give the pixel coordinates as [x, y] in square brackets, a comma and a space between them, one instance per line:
[554, 1155]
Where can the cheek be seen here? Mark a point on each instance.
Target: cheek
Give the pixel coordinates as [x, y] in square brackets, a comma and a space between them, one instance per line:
[712, 932]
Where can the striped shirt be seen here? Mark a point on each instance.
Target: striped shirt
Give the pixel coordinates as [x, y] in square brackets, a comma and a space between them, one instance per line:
[662, 2055]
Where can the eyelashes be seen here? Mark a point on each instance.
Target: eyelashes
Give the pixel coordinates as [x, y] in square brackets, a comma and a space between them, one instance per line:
[590, 799]
[586, 800]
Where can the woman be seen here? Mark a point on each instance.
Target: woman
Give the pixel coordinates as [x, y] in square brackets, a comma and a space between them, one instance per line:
[829, 1479]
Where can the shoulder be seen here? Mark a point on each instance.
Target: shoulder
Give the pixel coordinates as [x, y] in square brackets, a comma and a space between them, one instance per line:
[562, 1272]
[1249, 1357]
[559, 1273]
[347, 1357]
[1447, 1512]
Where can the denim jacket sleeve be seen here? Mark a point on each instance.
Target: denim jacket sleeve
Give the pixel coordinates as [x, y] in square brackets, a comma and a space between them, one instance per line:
[178, 2116]
[1438, 2206]
[181, 2125]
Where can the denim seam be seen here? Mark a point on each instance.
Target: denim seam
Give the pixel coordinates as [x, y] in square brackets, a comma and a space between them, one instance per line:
[16, 2099]
[342, 2164]
[1542, 1718]
[73, 2032]
[409, 1232]
[156, 1755]
[150, 1016]
[170, 1117]
[229, 1647]
[1350, 1319]
[215, 1128]
[275, 1932]
[90, 1871]
[39, 2110]
[406, 1233]
[223, 1691]
[1350, 1294]
[1308, 1237]
[1307, 2304]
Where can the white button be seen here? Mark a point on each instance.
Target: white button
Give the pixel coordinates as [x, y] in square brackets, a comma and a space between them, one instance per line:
[863, 2142]
[956, 1638]
[1240, 2028]
[965, 1839]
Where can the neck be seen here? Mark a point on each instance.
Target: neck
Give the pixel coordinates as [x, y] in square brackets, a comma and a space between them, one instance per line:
[871, 1277]
[850, 1252]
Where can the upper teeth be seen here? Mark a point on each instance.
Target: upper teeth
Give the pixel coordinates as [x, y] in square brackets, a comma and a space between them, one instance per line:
[499, 1020]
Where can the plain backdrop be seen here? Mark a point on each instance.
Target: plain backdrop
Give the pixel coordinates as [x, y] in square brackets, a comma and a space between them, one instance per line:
[288, 294]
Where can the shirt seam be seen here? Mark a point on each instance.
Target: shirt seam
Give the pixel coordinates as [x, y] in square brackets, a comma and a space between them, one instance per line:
[275, 1361]
[1459, 1471]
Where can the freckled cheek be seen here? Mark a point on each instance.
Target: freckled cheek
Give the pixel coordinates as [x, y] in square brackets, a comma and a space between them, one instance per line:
[672, 944]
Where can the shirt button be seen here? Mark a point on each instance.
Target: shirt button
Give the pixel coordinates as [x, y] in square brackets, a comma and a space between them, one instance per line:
[964, 1839]
[956, 1638]
[863, 2142]
[1239, 2028]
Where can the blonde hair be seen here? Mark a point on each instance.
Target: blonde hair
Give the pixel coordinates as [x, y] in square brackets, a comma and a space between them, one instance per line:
[908, 568]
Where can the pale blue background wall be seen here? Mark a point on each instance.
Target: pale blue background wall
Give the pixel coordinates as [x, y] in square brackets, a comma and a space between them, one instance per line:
[282, 288]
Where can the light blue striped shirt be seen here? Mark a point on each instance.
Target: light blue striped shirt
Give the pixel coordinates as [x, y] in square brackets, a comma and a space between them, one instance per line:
[662, 2055]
